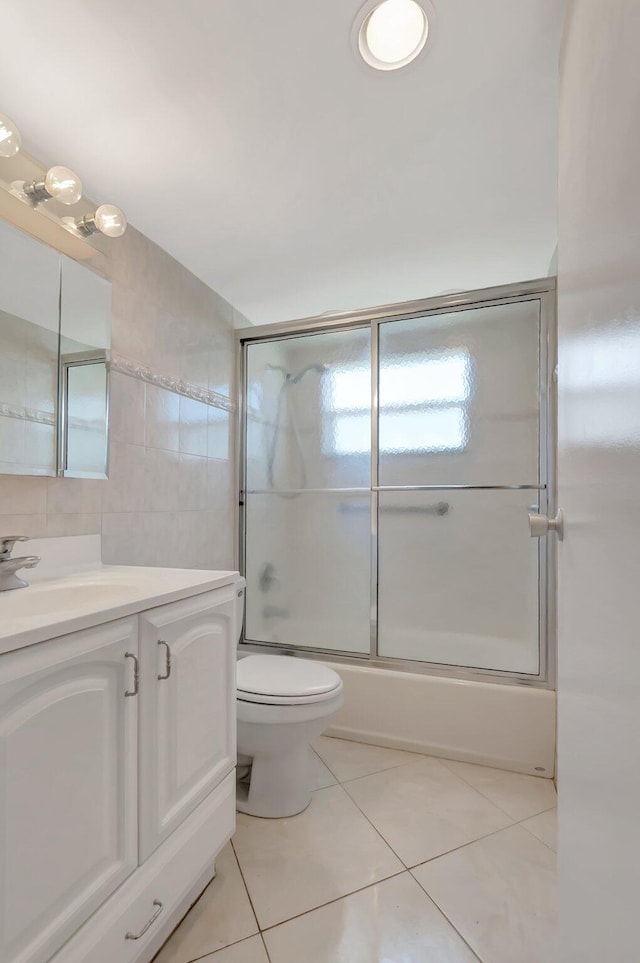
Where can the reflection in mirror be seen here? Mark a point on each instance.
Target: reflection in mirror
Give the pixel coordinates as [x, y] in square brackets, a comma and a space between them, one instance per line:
[29, 331]
[84, 397]
[85, 336]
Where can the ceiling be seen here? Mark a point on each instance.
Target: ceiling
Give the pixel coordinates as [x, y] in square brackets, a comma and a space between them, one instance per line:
[249, 140]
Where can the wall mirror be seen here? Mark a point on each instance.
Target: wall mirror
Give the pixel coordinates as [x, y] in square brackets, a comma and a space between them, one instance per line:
[55, 334]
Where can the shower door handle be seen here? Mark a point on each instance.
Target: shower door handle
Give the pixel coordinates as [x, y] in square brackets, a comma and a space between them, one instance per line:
[541, 525]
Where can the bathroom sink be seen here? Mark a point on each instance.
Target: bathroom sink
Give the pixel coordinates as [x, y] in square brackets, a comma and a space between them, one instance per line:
[47, 598]
[55, 604]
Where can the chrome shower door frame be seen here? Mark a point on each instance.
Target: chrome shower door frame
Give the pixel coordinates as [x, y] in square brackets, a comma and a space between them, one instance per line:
[542, 290]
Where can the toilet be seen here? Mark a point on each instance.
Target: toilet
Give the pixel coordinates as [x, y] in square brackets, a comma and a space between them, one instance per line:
[283, 704]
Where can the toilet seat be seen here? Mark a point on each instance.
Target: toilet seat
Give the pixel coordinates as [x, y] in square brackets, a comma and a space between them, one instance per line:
[283, 680]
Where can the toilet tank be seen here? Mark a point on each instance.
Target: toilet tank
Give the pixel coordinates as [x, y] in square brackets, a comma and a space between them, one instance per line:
[240, 587]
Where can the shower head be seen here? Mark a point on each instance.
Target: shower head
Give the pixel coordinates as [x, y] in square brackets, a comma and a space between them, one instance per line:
[292, 379]
[320, 368]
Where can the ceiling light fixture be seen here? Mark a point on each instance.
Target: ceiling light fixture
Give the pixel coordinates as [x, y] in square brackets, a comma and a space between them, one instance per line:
[391, 33]
[107, 219]
[60, 183]
[10, 140]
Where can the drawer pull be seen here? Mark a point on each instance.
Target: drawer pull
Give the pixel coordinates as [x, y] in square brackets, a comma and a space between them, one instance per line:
[168, 663]
[137, 936]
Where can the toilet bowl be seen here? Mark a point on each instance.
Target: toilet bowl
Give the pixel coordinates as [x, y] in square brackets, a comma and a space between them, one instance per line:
[283, 704]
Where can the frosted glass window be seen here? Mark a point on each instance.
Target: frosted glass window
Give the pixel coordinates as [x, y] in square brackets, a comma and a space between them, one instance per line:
[423, 379]
[421, 393]
[350, 434]
[349, 390]
[438, 429]
[441, 429]
[426, 379]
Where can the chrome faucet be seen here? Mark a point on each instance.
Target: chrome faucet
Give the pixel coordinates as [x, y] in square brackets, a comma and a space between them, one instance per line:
[9, 566]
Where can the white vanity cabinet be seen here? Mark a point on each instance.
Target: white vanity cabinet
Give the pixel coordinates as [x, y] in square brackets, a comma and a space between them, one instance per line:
[68, 784]
[187, 720]
[117, 780]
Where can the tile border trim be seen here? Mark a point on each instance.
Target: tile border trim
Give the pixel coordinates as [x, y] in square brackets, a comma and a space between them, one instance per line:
[142, 372]
[27, 414]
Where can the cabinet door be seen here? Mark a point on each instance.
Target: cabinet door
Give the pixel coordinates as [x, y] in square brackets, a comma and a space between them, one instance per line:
[68, 778]
[187, 721]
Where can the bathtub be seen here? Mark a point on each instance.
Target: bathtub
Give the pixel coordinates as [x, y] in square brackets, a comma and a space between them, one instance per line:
[505, 726]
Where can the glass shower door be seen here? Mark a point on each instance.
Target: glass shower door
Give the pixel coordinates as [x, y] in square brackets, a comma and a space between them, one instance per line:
[458, 472]
[307, 491]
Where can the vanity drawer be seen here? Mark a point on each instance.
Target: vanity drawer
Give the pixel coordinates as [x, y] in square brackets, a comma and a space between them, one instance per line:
[160, 888]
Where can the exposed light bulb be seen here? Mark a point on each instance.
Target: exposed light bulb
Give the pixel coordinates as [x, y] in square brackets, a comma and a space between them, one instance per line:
[60, 183]
[63, 184]
[107, 219]
[110, 220]
[10, 140]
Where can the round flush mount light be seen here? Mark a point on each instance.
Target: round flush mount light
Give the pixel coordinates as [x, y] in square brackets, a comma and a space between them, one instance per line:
[391, 33]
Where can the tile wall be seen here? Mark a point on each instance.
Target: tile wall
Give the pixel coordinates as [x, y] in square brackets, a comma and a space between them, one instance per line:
[169, 499]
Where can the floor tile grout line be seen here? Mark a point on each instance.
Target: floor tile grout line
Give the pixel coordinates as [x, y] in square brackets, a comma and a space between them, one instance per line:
[455, 849]
[443, 760]
[450, 921]
[446, 853]
[246, 888]
[373, 826]
[549, 809]
[336, 899]
[266, 948]
[182, 920]
[397, 765]
[331, 772]
[404, 869]
[210, 953]
[479, 791]
[531, 833]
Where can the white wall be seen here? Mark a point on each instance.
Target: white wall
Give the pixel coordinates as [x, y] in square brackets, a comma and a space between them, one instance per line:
[599, 473]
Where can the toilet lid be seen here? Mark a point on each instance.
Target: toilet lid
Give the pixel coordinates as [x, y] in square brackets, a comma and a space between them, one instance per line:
[284, 676]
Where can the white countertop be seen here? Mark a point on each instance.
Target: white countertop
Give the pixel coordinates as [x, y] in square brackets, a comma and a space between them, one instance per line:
[51, 607]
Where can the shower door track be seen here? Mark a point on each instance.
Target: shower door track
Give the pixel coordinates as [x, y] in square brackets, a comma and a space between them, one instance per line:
[542, 290]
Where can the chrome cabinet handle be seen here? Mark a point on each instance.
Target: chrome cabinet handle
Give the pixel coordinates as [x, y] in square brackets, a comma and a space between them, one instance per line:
[540, 525]
[168, 663]
[136, 674]
[137, 936]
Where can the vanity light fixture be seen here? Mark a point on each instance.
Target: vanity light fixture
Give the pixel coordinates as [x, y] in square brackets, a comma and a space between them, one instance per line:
[107, 219]
[10, 140]
[391, 33]
[59, 182]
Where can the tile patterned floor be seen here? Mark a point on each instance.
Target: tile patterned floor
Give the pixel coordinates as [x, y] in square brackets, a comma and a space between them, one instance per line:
[399, 857]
